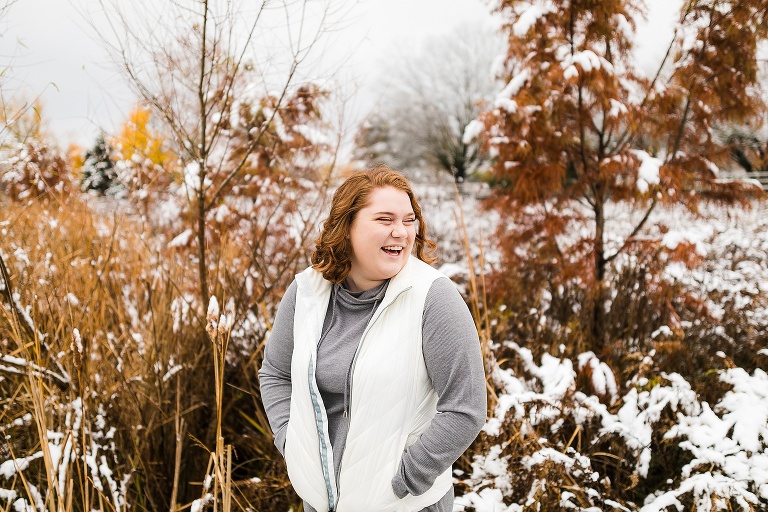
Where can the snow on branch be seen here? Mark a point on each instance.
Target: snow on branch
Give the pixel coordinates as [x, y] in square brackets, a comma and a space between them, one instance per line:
[648, 173]
[587, 60]
[531, 15]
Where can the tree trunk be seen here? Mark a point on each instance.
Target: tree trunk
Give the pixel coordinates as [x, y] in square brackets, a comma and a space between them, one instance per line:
[201, 263]
[202, 162]
[598, 312]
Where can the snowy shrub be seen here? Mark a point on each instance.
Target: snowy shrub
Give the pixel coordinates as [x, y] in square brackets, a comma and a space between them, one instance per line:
[729, 445]
[549, 445]
[671, 416]
[60, 443]
[76, 444]
[33, 169]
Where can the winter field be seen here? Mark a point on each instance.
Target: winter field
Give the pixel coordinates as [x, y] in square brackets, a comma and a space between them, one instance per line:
[110, 393]
[617, 277]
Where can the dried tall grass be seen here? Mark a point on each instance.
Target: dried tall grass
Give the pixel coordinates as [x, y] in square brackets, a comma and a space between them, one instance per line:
[104, 347]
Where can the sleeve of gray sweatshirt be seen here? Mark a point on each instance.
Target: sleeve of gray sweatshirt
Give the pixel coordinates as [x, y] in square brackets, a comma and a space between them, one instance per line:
[275, 372]
[455, 366]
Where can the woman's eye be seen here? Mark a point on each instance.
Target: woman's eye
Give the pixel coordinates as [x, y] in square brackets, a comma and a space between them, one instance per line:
[384, 219]
[409, 221]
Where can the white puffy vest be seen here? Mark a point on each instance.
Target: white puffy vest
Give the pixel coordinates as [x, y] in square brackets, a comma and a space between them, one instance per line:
[392, 400]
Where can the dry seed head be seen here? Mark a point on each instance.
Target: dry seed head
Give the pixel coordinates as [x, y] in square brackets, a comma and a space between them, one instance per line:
[213, 313]
[229, 310]
[213, 309]
[224, 325]
[77, 343]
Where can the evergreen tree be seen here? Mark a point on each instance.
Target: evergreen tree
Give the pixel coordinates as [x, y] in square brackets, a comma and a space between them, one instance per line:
[99, 172]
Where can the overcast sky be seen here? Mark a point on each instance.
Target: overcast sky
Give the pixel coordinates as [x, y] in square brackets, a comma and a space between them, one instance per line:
[53, 52]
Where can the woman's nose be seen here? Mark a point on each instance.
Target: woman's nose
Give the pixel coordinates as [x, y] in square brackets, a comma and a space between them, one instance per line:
[398, 231]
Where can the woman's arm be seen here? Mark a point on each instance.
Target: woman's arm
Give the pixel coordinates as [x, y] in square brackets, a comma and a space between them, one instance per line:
[455, 366]
[275, 372]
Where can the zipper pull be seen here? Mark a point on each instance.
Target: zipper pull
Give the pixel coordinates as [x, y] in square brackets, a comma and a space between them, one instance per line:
[345, 413]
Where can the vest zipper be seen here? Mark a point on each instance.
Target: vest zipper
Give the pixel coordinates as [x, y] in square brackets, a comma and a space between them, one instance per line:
[348, 404]
[324, 442]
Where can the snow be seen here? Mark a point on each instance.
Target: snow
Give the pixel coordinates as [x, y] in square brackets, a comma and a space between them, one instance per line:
[7, 494]
[706, 488]
[587, 60]
[10, 467]
[624, 27]
[77, 340]
[733, 436]
[182, 238]
[515, 84]
[648, 173]
[531, 15]
[21, 255]
[313, 134]
[695, 236]
[617, 108]
[487, 500]
[603, 379]
[504, 99]
[617, 506]
[492, 427]
[472, 131]
[273, 117]
[192, 182]
[200, 504]
[664, 330]
[213, 307]
[173, 370]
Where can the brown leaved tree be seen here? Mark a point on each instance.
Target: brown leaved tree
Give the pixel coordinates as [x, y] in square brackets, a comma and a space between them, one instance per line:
[579, 128]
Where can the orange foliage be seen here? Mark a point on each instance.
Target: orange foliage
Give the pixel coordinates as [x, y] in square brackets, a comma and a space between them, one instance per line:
[577, 124]
[139, 142]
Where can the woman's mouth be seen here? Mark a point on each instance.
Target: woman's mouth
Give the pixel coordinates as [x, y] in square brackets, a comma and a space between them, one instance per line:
[392, 250]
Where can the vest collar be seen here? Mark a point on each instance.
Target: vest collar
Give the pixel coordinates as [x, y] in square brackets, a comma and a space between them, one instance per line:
[401, 282]
[311, 283]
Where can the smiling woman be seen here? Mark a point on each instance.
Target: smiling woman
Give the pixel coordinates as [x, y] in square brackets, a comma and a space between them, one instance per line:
[367, 203]
[382, 236]
[371, 392]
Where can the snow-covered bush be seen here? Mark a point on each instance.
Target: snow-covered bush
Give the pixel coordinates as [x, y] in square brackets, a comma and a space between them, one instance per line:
[671, 416]
[551, 446]
[77, 454]
[32, 169]
[60, 444]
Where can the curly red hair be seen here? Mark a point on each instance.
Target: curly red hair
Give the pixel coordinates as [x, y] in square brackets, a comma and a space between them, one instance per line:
[333, 250]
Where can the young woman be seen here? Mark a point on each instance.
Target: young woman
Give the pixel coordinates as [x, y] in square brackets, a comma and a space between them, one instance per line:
[372, 377]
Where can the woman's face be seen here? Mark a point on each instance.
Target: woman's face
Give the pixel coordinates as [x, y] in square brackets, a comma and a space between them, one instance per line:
[382, 235]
